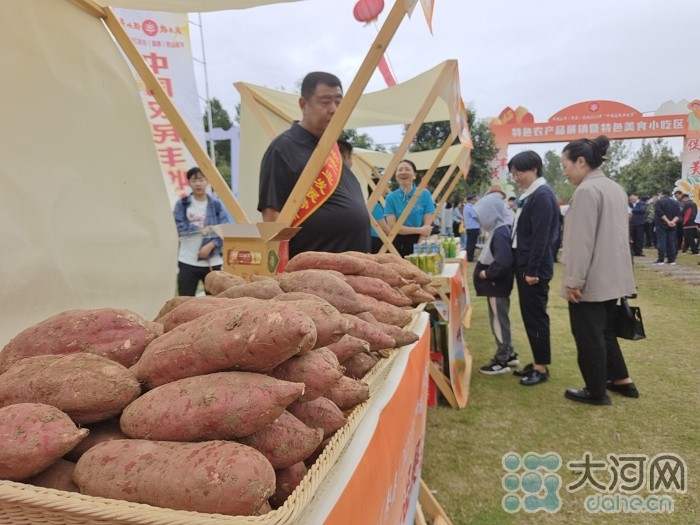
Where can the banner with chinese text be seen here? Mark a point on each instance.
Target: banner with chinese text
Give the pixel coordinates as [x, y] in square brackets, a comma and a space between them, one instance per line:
[164, 42]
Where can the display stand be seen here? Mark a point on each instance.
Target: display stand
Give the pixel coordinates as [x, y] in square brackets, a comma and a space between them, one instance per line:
[453, 307]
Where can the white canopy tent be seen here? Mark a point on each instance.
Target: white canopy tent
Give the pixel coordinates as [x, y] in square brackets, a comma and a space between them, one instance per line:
[87, 222]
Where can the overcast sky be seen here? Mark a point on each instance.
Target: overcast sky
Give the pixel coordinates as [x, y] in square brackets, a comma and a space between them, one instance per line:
[541, 54]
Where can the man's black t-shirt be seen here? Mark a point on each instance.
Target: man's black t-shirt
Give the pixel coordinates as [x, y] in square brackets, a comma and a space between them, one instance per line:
[340, 224]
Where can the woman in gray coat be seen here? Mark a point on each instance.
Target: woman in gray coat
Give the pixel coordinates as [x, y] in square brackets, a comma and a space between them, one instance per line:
[597, 270]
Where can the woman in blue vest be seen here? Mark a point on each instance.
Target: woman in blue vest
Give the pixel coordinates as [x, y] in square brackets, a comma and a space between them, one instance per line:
[418, 224]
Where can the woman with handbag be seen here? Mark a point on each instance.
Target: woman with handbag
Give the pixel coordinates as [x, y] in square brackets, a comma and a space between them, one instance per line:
[597, 270]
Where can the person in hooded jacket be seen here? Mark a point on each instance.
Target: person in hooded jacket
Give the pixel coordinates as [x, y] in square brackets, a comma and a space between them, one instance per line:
[493, 279]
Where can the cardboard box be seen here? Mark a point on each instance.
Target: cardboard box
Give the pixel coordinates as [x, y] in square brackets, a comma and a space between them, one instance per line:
[255, 249]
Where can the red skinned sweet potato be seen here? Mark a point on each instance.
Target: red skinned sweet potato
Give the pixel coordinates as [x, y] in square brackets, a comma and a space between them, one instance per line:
[297, 296]
[318, 370]
[316, 453]
[408, 271]
[347, 347]
[285, 441]
[287, 479]
[378, 289]
[401, 336]
[265, 289]
[384, 273]
[87, 387]
[330, 324]
[348, 393]
[324, 283]
[358, 365]
[255, 339]
[343, 263]
[223, 405]
[107, 430]
[385, 312]
[266, 507]
[169, 305]
[118, 334]
[34, 436]
[212, 477]
[199, 306]
[58, 476]
[377, 339]
[217, 281]
[320, 413]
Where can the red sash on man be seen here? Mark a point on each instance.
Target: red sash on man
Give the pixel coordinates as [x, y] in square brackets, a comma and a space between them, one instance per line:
[323, 187]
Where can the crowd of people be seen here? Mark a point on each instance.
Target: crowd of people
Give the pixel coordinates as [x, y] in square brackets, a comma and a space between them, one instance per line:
[599, 231]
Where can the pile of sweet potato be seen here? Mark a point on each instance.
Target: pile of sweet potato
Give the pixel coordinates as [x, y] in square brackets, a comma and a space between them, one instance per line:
[222, 403]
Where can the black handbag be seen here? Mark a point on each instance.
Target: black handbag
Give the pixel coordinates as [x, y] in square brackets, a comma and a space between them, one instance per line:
[628, 321]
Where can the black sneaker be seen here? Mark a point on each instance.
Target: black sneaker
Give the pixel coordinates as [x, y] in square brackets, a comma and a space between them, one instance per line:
[523, 372]
[495, 368]
[513, 360]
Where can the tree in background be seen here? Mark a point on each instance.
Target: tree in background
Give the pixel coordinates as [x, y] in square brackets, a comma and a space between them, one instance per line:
[653, 167]
[554, 175]
[432, 135]
[222, 148]
[361, 140]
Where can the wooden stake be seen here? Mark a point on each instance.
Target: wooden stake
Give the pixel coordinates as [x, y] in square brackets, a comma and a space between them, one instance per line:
[431, 506]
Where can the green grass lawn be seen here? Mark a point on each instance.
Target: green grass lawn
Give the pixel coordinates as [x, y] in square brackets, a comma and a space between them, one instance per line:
[464, 448]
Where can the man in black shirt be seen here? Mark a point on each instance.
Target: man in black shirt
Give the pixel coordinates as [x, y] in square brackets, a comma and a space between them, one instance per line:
[341, 223]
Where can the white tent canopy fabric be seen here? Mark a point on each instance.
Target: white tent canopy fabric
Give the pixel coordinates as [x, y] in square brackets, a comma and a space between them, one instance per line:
[188, 6]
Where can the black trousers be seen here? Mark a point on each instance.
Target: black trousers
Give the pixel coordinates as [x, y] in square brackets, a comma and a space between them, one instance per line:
[533, 309]
[472, 237]
[404, 243]
[638, 238]
[188, 277]
[599, 356]
[691, 239]
[376, 245]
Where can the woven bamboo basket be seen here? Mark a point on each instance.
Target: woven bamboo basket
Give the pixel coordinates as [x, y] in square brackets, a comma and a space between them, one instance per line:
[22, 504]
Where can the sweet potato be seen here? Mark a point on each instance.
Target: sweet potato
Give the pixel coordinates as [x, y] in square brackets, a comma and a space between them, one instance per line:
[33, 437]
[223, 405]
[385, 312]
[318, 370]
[266, 507]
[169, 305]
[347, 347]
[374, 336]
[378, 289]
[358, 365]
[316, 453]
[199, 306]
[320, 413]
[401, 336]
[118, 334]
[255, 339]
[325, 284]
[287, 479]
[58, 476]
[217, 281]
[87, 387]
[297, 296]
[107, 430]
[211, 477]
[348, 393]
[382, 272]
[343, 263]
[330, 324]
[285, 441]
[360, 255]
[417, 294]
[266, 289]
[409, 272]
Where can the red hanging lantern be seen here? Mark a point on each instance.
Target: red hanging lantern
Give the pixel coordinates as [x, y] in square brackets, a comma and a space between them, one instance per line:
[367, 10]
